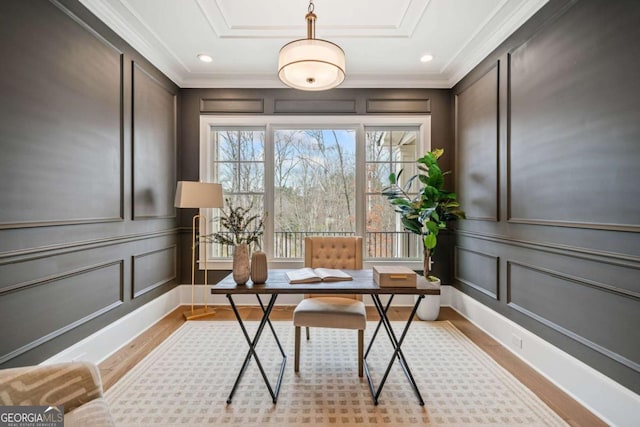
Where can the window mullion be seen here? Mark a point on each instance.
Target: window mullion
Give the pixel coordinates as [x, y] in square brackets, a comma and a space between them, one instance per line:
[269, 191]
[361, 182]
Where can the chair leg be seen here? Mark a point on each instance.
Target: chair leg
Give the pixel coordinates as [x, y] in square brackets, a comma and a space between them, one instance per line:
[296, 357]
[307, 333]
[360, 351]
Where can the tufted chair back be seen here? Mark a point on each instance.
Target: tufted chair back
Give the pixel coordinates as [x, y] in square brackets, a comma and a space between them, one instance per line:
[344, 253]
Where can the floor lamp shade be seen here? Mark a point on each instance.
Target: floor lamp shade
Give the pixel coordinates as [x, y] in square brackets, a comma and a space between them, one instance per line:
[193, 194]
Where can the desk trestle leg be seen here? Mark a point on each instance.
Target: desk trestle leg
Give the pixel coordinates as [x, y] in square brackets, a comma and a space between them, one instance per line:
[396, 343]
[253, 344]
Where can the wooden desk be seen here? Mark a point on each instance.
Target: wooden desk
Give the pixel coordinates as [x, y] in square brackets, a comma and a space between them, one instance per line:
[362, 283]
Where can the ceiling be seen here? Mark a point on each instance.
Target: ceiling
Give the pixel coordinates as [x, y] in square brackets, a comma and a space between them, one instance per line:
[383, 40]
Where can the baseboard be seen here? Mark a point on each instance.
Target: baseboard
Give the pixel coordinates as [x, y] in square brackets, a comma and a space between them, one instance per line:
[613, 403]
[100, 345]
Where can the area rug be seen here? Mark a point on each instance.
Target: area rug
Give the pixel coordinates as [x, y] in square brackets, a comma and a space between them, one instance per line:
[186, 381]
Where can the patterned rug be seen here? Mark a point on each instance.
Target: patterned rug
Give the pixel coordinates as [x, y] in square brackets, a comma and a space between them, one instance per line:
[186, 380]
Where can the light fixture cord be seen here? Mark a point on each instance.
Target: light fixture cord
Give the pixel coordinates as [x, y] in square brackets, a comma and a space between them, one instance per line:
[311, 21]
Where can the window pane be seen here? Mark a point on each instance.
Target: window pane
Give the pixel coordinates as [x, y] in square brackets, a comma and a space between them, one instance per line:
[388, 150]
[378, 148]
[225, 174]
[251, 178]
[385, 237]
[238, 145]
[314, 186]
[404, 145]
[251, 145]
[377, 177]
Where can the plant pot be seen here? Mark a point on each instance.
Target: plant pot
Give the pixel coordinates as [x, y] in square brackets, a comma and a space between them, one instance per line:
[241, 264]
[429, 308]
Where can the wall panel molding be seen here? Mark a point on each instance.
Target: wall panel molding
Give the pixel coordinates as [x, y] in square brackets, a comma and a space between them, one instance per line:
[315, 106]
[612, 258]
[65, 276]
[55, 127]
[231, 105]
[559, 328]
[564, 118]
[388, 106]
[29, 254]
[576, 224]
[485, 262]
[473, 158]
[146, 269]
[154, 146]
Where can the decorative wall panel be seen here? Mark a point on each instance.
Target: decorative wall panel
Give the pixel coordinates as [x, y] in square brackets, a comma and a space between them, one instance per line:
[574, 115]
[478, 270]
[316, 106]
[477, 147]
[59, 116]
[153, 269]
[54, 305]
[154, 147]
[604, 315]
[398, 105]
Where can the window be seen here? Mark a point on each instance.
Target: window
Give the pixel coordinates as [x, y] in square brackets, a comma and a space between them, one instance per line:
[388, 150]
[314, 187]
[237, 162]
[314, 176]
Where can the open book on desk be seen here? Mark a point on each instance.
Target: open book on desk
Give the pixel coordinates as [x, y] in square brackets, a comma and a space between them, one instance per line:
[311, 275]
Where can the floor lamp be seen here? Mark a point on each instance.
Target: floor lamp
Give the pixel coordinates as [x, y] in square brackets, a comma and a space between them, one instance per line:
[190, 194]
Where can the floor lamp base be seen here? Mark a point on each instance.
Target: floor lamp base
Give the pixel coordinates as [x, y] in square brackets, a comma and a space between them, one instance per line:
[199, 313]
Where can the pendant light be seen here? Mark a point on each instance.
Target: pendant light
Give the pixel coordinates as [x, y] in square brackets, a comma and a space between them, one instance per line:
[311, 64]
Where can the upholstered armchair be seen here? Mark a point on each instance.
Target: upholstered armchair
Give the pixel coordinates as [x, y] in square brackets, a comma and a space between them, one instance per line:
[331, 311]
[75, 385]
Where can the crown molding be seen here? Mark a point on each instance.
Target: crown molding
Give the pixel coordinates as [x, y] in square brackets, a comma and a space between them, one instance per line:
[475, 52]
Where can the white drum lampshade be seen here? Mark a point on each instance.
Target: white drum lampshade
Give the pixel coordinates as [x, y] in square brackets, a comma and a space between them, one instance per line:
[311, 64]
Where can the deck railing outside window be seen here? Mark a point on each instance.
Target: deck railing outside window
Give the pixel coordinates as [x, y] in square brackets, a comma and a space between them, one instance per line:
[378, 244]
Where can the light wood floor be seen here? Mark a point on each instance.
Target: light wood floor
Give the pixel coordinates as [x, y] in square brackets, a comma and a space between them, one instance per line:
[572, 412]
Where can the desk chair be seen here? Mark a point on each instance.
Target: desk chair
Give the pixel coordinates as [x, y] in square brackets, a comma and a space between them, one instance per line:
[331, 311]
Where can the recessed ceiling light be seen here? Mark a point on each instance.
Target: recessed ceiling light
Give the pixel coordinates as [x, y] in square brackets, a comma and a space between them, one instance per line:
[426, 58]
[204, 57]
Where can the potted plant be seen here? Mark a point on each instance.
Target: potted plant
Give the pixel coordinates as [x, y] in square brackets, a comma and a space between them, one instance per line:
[425, 213]
[240, 228]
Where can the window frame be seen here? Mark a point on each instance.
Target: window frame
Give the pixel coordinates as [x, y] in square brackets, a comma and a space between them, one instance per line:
[270, 123]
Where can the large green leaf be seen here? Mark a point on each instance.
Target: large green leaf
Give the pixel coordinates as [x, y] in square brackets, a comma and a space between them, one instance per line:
[432, 227]
[435, 178]
[399, 201]
[410, 225]
[430, 241]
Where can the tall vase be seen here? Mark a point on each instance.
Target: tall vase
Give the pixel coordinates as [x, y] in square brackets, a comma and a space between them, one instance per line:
[241, 263]
[259, 267]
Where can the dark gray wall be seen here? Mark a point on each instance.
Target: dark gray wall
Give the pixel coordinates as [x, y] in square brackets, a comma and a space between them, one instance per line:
[548, 165]
[434, 102]
[87, 174]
